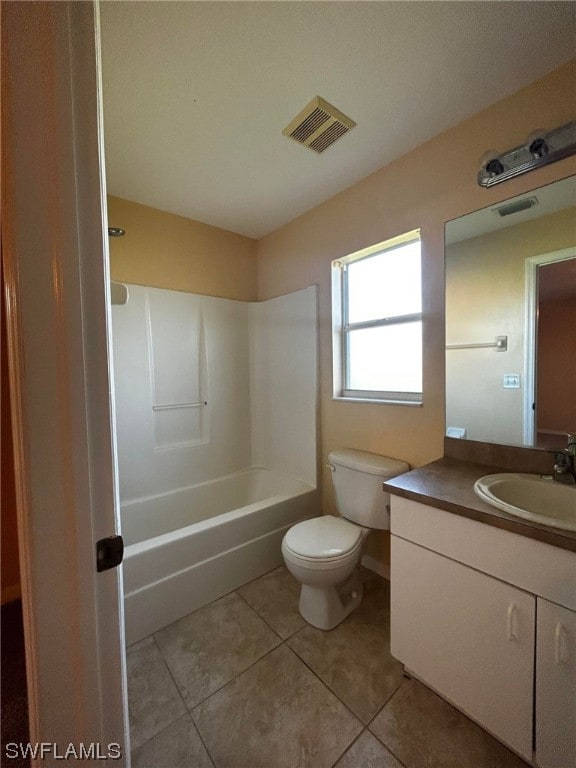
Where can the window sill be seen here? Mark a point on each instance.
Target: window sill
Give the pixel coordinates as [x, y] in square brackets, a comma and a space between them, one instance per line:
[417, 403]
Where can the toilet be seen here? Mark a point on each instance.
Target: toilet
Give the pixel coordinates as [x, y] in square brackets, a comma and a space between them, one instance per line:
[322, 553]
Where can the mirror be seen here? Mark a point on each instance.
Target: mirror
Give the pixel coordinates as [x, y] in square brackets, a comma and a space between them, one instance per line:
[511, 320]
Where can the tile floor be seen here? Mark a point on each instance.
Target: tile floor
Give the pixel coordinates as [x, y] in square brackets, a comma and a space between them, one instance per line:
[245, 683]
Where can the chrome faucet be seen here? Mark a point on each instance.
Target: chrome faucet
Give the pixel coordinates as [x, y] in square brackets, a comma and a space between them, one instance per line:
[564, 463]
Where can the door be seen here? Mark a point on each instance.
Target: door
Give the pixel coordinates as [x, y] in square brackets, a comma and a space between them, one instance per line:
[550, 346]
[56, 273]
[469, 636]
[555, 396]
[555, 686]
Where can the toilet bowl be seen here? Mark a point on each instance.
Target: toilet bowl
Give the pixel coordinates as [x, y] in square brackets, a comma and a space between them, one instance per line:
[332, 548]
[322, 553]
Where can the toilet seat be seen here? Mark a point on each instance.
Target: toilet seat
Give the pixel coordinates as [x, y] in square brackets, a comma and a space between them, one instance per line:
[324, 539]
[321, 563]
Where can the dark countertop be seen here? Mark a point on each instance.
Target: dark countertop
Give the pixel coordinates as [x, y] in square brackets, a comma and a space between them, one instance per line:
[449, 484]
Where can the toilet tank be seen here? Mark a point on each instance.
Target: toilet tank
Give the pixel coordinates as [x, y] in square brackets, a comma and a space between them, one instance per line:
[358, 478]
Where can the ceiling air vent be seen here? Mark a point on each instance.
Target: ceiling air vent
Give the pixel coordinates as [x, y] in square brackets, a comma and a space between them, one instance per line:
[319, 125]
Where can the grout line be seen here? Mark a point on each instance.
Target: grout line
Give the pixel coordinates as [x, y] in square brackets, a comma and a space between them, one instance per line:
[186, 615]
[186, 714]
[263, 576]
[296, 633]
[268, 623]
[387, 748]
[381, 741]
[232, 679]
[189, 709]
[333, 692]
[329, 688]
[366, 730]
[341, 755]
[183, 700]
[127, 648]
[325, 684]
[386, 702]
[257, 612]
[283, 642]
[186, 707]
[178, 691]
[212, 760]
[170, 672]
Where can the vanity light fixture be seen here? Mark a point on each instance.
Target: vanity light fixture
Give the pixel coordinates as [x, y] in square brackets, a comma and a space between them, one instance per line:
[542, 150]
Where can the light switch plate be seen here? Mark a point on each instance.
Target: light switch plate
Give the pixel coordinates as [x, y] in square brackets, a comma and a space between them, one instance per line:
[511, 381]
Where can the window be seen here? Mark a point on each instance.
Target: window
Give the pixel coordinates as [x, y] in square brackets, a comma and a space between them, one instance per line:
[377, 322]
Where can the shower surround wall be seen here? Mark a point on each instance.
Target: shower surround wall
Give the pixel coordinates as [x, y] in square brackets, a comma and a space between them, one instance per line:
[255, 367]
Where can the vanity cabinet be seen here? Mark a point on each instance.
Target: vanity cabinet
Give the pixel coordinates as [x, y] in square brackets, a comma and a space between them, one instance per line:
[467, 635]
[487, 618]
[555, 686]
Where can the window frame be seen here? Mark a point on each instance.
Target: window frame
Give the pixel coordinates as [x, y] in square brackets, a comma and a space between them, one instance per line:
[342, 327]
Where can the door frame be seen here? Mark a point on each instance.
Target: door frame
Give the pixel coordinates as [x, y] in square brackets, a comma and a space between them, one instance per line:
[531, 333]
[57, 285]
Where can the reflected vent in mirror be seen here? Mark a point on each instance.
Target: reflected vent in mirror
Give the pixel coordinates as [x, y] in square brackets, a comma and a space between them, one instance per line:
[516, 207]
[319, 125]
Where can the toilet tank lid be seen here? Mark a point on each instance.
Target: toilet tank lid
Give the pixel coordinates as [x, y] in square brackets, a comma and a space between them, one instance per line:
[370, 463]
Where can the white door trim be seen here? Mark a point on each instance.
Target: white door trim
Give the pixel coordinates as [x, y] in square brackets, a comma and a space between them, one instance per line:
[531, 320]
[57, 285]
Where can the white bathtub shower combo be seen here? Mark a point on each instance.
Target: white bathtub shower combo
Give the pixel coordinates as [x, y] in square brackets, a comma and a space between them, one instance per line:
[216, 422]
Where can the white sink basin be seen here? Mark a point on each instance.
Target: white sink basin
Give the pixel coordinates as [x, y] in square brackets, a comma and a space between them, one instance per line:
[531, 497]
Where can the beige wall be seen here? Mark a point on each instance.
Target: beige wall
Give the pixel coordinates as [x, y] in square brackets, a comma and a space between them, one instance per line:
[429, 186]
[485, 298]
[434, 183]
[167, 251]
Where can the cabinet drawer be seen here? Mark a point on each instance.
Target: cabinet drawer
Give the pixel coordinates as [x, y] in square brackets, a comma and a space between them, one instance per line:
[467, 635]
[537, 567]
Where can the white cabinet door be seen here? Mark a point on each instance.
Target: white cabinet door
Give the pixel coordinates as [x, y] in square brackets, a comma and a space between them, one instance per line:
[469, 636]
[555, 686]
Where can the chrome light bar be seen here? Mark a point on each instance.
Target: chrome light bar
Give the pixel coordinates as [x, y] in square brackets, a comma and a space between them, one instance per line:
[544, 149]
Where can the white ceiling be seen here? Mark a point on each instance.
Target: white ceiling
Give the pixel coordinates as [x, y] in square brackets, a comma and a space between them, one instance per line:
[196, 94]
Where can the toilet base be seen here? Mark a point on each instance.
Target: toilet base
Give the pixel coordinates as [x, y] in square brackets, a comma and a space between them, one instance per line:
[325, 607]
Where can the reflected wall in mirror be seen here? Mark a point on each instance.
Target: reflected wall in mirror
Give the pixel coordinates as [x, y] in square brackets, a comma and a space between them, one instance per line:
[511, 271]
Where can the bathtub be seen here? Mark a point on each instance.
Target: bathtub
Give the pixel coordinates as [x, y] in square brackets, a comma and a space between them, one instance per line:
[188, 547]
